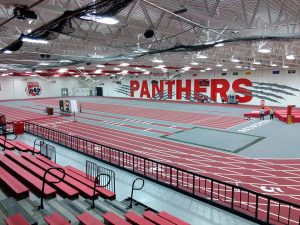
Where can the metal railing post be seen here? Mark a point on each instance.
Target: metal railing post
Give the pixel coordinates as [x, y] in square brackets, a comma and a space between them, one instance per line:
[133, 188]
[97, 179]
[55, 182]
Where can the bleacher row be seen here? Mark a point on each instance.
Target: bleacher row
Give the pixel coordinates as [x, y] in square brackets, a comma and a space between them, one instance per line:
[149, 218]
[23, 173]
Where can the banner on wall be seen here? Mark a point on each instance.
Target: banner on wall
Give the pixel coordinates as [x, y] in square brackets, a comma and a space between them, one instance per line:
[33, 89]
[212, 89]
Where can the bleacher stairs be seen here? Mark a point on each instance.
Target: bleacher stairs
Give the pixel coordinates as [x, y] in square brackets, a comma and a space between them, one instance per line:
[61, 207]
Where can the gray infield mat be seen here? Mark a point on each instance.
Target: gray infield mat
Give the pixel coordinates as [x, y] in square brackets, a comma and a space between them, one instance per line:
[215, 139]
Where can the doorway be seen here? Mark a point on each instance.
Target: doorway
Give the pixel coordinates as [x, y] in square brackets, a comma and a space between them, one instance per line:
[99, 91]
[64, 92]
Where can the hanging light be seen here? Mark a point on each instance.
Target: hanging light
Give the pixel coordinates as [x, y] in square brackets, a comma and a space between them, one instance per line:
[290, 57]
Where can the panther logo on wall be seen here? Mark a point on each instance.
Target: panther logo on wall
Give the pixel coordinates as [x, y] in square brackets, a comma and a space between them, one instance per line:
[33, 89]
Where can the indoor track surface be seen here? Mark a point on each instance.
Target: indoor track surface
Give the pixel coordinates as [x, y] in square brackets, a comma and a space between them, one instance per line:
[160, 132]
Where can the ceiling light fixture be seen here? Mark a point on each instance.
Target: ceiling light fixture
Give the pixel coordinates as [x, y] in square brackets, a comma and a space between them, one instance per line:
[285, 66]
[7, 52]
[187, 68]
[208, 69]
[219, 65]
[100, 66]
[273, 64]
[31, 40]
[202, 71]
[155, 60]
[124, 64]
[224, 69]
[290, 57]
[219, 45]
[3, 69]
[100, 19]
[201, 56]
[264, 50]
[98, 71]
[235, 60]
[62, 70]
[194, 63]
[256, 63]
[65, 61]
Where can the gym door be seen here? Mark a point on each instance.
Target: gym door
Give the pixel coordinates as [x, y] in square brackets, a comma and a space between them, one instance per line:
[99, 91]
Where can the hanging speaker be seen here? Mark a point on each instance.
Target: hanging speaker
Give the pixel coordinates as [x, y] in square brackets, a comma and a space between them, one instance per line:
[149, 33]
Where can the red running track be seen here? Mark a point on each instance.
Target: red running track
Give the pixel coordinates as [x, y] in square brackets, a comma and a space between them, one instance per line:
[278, 178]
[197, 119]
[264, 176]
[15, 115]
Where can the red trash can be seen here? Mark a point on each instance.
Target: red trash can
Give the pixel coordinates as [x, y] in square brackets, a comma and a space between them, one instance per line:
[19, 128]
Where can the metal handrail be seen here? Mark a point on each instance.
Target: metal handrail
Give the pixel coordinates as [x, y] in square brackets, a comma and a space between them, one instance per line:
[133, 188]
[42, 141]
[52, 182]
[97, 179]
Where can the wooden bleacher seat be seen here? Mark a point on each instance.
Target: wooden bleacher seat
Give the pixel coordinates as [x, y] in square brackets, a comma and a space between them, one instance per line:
[84, 190]
[103, 192]
[29, 178]
[79, 176]
[114, 219]
[47, 161]
[29, 148]
[75, 170]
[56, 219]
[15, 144]
[87, 219]
[61, 187]
[134, 218]
[154, 218]
[7, 145]
[19, 190]
[172, 218]
[17, 219]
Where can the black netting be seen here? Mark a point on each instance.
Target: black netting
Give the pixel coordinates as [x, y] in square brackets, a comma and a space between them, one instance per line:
[105, 8]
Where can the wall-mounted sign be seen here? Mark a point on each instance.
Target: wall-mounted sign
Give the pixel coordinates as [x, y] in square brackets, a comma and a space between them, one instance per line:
[33, 89]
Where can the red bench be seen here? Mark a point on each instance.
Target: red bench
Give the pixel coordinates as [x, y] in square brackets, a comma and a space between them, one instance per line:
[15, 144]
[35, 182]
[114, 219]
[172, 218]
[15, 186]
[7, 145]
[47, 161]
[75, 170]
[29, 148]
[136, 219]
[103, 192]
[63, 188]
[17, 219]
[56, 219]
[82, 188]
[153, 217]
[87, 219]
